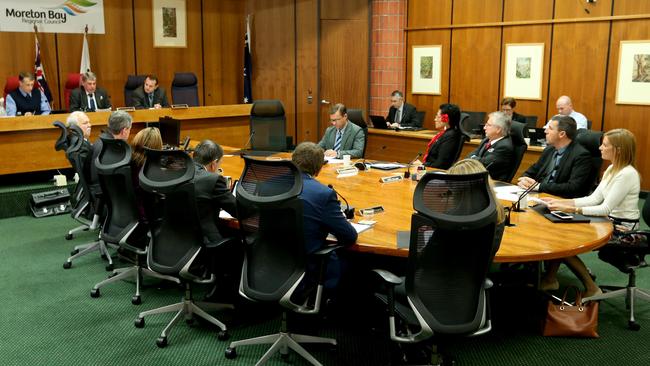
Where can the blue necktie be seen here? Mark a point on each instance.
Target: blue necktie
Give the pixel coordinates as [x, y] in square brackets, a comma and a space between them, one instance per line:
[150, 99]
[337, 142]
[92, 103]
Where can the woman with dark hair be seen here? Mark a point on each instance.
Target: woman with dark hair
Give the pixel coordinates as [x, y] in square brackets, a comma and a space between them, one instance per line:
[442, 149]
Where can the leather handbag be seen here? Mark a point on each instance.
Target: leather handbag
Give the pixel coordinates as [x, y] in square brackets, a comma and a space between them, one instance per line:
[565, 320]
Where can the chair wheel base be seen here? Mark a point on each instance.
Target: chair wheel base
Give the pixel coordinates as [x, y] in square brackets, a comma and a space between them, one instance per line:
[230, 353]
[94, 293]
[67, 265]
[69, 237]
[633, 325]
[139, 323]
[73, 252]
[110, 267]
[136, 300]
[161, 342]
[223, 335]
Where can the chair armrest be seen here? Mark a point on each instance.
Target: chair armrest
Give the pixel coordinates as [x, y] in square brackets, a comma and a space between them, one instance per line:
[388, 277]
[328, 249]
[227, 241]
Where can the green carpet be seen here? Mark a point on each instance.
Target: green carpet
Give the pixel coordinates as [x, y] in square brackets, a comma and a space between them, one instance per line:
[48, 318]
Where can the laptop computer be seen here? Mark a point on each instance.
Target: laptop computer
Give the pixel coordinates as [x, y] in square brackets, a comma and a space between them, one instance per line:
[378, 122]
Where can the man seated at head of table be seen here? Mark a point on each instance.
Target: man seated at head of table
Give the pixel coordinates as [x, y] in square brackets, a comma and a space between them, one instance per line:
[342, 137]
[400, 113]
[26, 100]
[88, 97]
[496, 151]
[564, 167]
[321, 211]
[150, 94]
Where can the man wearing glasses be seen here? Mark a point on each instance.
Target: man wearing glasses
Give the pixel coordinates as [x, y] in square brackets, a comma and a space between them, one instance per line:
[401, 114]
[342, 138]
[496, 151]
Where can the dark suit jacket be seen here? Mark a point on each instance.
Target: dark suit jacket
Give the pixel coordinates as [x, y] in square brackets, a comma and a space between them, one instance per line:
[352, 142]
[212, 194]
[498, 159]
[409, 117]
[79, 101]
[443, 152]
[322, 215]
[141, 100]
[572, 179]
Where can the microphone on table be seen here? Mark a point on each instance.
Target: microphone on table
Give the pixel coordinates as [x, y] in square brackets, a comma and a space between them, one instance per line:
[242, 152]
[348, 210]
[516, 205]
[407, 173]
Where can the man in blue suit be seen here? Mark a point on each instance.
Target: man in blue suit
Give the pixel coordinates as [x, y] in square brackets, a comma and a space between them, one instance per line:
[322, 211]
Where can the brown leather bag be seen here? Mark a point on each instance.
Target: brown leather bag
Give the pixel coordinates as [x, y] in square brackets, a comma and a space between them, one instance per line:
[579, 320]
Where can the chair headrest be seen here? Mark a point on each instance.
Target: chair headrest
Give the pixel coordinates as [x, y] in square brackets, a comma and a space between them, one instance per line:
[76, 138]
[134, 81]
[184, 79]
[12, 84]
[517, 133]
[165, 170]
[73, 81]
[356, 116]
[61, 143]
[267, 182]
[590, 140]
[267, 108]
[115, 153]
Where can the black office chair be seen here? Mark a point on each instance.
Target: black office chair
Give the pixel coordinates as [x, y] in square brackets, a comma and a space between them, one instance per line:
[62, 142]
[132, 83]
[531, 122]
[519, 146]
[185, 89]
[470, 123]
[465, 137]
[271, 221]
[121, 226]
[628, 254]
[88, 206]
[268, 126]
[589, 123]
[176, 238]
[591, 141]
[420, 115]
[451, 249]
[356, 116]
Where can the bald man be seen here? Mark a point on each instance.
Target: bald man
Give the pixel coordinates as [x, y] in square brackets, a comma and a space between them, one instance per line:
[565, 108]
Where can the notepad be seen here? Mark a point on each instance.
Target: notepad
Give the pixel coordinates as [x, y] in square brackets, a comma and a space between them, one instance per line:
[358, 227]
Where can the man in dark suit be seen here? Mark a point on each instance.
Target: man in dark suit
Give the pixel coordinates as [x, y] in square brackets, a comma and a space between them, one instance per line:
[496, 151]
[321, 210]
[342, 138]
[212, 194]
[26, 100]
[150, 95]
[565, 166]
[508, 107]
[401, 114]
[88, 97]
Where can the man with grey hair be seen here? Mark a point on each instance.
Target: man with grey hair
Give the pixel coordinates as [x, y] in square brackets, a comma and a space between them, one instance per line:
[119, 127]
[496, 151]
[88, 97]
[80, 119]
[565, 108]
[400, 113]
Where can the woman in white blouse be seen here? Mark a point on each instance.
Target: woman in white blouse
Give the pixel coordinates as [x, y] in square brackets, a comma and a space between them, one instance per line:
[617, 196]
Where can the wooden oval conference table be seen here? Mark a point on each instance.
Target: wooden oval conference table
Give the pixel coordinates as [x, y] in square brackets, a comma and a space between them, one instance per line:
[534, 238]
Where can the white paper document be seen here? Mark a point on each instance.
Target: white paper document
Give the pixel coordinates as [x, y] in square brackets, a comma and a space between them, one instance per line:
[358, 227]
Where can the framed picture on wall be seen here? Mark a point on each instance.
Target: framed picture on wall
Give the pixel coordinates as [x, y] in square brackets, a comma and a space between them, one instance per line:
[426, 70]
[522, 73]
[169, 23]
[633, 79]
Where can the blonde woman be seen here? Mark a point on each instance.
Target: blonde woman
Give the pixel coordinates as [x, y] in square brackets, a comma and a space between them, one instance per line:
[617, 196]
[149, 138]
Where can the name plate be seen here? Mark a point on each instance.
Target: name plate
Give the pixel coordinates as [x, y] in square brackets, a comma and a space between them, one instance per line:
[347, 172]
[179, 106]
[390, 179]
[126, 109]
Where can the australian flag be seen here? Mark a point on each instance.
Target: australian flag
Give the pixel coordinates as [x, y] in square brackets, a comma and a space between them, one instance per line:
[248, 65]
[40, 74]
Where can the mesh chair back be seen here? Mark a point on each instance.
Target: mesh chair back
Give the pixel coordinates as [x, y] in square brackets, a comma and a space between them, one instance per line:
[268, 126]
[470, 122]
[356, 116]
[132, 83]
[79, 154]
[270, 219]
[519, 146]
[114, 172]
[185, 89]
[61, 142]
[591, 141]
[450, 251]
[176, 235]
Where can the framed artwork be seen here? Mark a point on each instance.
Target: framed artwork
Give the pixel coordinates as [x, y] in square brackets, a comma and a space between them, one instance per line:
[425, 71]
[633, 78]
[522, 75]
[169, 23]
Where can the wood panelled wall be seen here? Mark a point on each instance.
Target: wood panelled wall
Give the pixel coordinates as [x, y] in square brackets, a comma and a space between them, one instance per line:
[214, 52]
[580, 57]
